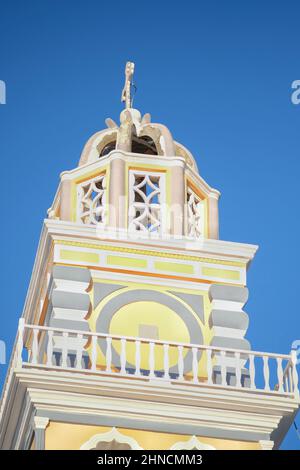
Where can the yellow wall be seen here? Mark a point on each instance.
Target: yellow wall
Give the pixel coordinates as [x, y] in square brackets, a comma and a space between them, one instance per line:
[169, 324]
[63, 436]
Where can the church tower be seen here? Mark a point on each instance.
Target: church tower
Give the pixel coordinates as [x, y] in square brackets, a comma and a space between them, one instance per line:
[133, 329]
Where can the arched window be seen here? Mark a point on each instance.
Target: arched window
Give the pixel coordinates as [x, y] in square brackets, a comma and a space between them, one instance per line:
[108, 148]
[144, 145]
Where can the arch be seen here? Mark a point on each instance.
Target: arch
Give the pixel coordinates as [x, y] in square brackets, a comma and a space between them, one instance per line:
[113, 439]
[95, 144]
[161, 136]
[135, 295]
[182, 151]
[192, 444]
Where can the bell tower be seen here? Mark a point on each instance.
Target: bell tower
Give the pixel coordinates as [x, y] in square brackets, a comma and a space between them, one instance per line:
[133, 329]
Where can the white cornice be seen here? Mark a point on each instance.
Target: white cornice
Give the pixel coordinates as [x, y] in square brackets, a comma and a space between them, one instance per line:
[136, 158]
[129, 157]
[183, 245]
[54, 230]
[220, 411]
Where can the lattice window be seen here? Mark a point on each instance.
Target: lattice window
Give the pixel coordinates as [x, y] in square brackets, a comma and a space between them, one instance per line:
[91, 201]
[195, 215]
[146, 197]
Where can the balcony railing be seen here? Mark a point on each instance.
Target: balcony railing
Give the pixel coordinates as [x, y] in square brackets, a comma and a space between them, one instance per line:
[149, 360]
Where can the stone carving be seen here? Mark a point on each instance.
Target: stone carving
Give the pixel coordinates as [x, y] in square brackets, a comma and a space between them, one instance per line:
[126, 93]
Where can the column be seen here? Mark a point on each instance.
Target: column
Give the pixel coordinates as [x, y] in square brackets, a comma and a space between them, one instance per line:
[177, 203]
[65, 198]
[117, 198]
[213, 215]
[40, 425]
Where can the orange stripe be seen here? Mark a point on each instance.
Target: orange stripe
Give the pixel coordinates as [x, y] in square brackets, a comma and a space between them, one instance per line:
[164, 276]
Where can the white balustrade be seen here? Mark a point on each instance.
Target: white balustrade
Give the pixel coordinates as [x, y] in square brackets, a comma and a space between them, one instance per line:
[295, 373]
[151, 359]
[209, 367]
[64, 350]
[94, 352]
[166, 361]
[50, 348]
[195, 365]
[123, 356]
[35, 346]
[142, 358]
[279, 374]
[238, 374]
[180, 362]
[290, 378]
[137, 358]
[108, 354]
[252, 371]
[79, 352]
[223, 368]
[266, 372]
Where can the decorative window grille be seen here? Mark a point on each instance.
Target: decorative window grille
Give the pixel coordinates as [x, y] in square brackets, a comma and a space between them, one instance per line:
[146, 197]
[91, 196]
[195, 215]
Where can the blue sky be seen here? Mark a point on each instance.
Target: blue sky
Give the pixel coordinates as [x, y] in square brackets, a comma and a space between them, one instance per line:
[218, 74]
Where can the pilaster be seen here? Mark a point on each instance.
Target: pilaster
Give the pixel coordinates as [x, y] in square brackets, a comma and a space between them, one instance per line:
[40, 425]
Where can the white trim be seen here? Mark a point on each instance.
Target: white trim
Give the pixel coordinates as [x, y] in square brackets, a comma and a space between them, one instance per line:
[40, 422]
[106, 401]
[266, 445]
[112, 435]
[192, 443]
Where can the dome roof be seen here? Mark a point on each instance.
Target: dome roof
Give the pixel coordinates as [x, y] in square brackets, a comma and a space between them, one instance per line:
[135, 134]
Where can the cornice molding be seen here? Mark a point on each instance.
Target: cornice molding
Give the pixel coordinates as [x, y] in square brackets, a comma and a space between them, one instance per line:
[57, 230]
[243, 251]
[243, 413]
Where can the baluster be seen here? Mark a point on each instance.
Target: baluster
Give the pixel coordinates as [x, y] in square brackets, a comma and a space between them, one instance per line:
[195, 365]
[285, 384]
[209, 367]
[166, 362]
[290, 377]
[266, 372]
[280, 374]
[123, 356]
[20, 342]
[151, 360]
[180, 362]
[238, 372]
[42, 340]
[35, 346]
[295, 373]
[252, 371]
[94, 353]
[64, 354]
[50, 348]
[108, 354]
[223, 368]
[137, 358]
[79, 352]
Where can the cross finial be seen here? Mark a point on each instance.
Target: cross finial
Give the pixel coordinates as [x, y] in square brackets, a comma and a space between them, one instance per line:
[126, 93]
